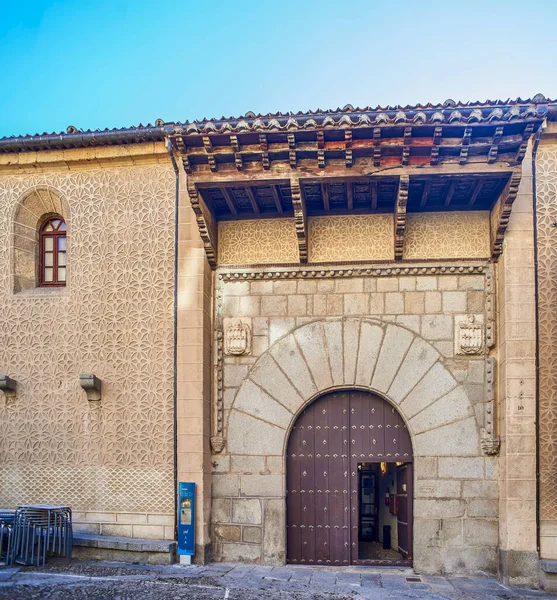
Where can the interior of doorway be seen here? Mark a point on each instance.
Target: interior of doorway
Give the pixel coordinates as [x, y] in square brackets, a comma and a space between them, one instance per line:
[380, 507]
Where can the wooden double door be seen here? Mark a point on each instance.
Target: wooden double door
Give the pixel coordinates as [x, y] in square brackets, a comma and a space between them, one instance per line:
[329, 439]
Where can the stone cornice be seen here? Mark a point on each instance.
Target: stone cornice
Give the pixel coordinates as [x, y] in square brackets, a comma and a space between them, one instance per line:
[387, 270]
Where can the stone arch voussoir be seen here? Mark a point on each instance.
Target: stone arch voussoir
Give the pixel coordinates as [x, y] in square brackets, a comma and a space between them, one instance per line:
[383, 358]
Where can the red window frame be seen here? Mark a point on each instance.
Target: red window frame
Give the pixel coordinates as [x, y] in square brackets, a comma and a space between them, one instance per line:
[57, 232]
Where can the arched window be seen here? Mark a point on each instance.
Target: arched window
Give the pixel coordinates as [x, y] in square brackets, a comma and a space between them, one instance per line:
[52, 248]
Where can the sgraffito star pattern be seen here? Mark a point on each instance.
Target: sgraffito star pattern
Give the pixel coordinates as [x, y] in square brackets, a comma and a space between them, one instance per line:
[546, 189]
[447, 235]
[114, 319]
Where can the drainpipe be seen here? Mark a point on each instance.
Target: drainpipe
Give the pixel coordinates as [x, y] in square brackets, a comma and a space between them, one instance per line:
[536, 293]
[175, 336]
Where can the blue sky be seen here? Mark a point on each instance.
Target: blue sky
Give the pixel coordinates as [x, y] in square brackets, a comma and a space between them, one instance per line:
[111, 63]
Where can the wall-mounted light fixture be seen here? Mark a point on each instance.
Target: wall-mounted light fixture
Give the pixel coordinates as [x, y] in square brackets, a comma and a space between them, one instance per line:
[92, 386]
[8, 386]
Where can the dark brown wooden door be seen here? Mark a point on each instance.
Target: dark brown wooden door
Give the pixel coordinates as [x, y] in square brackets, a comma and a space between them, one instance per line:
[318, 503]
[329, 439]
[404, 498]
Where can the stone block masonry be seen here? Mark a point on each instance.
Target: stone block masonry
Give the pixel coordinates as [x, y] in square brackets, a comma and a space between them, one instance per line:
[391, 331]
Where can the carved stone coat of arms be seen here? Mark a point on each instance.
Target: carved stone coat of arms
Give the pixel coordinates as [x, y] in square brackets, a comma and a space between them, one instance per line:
[469, 335]
[237, 336]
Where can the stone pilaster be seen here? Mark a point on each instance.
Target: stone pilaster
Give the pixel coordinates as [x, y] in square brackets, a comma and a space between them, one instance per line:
[193, 369]
[517, 398]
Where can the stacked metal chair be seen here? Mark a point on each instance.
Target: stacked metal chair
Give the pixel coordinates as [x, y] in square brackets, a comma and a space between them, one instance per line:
[6, 526]
[38, 531]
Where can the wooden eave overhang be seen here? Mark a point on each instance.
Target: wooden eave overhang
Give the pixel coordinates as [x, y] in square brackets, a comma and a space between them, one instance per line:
[357, 162]
[451, 156]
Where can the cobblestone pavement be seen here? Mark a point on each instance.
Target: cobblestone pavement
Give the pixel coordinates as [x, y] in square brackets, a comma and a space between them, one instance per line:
[119, 581]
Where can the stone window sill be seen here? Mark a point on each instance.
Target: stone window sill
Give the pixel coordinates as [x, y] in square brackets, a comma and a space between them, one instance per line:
[43, 292]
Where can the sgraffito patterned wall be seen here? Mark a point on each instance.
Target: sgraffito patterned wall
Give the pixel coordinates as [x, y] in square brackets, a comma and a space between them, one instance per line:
[115, 319]
[351, 237]
[447, 235]
[546, 189]
[265, 241]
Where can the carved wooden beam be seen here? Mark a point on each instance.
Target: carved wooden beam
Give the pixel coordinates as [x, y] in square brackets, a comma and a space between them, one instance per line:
[300, 219]
[325, 194]
[348, 158]
[374, 195]
[437, 136]
[181, 145]
[276, 198]
[264, 145]
[475, 192]
[229, 201]
[186, 163]
[376, 147]
[406, 146]
[205, 223]
[321, 149]
[282, 172]
[501, 214]
[292, 158]
[464, 149]
[425, 195]
[492, 156]
[400, 215]
[208, 145]
[350, 195]
[252, 200]
[450, 193]
[525, 137]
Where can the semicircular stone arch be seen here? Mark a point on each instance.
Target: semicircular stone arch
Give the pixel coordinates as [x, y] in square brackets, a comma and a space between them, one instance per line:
[29, 214]
[383, 358]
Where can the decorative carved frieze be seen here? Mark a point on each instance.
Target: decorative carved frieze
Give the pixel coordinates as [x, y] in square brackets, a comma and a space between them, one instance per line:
[373, 271]
[469, 334]
[489, 440]
[237, 336]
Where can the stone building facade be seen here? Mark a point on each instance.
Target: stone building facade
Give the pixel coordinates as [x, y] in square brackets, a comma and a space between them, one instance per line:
[232, 282]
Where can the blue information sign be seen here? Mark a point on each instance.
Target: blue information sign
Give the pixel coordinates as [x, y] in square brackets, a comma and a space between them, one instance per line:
[186, 518]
